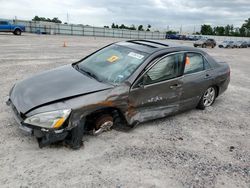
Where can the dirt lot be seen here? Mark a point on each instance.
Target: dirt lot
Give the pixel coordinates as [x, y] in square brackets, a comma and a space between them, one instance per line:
[209, 148]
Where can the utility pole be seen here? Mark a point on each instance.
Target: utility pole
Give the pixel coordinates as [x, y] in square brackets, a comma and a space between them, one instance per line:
[67, 17]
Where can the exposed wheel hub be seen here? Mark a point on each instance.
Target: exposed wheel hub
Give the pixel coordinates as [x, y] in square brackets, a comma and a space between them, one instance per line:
[102, 124]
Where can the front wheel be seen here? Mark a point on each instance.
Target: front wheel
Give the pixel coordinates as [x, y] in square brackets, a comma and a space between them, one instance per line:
[207, 98]
[103, 123]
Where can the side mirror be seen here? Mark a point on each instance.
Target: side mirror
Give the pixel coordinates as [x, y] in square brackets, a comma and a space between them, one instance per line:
[143, 81]
[141, 85]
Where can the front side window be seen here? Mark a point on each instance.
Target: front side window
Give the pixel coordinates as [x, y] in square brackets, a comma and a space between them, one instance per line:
[206, 65]
[193, 63]
[113, 64]
[167, 68]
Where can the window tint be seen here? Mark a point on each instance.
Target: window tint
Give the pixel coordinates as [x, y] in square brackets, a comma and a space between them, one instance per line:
[193, 63]
[206, 65]
[113, 64]
[3, 23]
[167, 68]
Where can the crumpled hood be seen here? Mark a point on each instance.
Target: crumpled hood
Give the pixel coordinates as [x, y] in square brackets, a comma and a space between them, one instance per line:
[56, 84]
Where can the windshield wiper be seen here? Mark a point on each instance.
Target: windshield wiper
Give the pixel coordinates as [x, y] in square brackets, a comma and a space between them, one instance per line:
[91, 75]
[88, 73]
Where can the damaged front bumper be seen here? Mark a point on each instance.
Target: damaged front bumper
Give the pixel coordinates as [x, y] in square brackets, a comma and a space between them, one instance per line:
[44, 136]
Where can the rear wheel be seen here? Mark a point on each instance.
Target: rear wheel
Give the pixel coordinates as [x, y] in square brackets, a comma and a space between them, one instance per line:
[207, 98]
[17, 32]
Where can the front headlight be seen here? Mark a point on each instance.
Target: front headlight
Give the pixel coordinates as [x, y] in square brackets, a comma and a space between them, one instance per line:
[53, 119]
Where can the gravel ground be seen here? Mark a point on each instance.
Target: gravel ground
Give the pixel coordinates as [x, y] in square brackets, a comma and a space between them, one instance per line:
[209, 148]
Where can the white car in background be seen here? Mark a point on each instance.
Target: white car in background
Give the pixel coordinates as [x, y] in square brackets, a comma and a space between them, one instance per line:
[227, 44]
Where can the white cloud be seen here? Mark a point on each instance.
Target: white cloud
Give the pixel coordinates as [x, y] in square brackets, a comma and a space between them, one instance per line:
[158, 13]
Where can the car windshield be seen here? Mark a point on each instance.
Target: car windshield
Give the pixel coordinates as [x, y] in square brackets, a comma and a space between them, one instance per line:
[203, 39]
[113, 64]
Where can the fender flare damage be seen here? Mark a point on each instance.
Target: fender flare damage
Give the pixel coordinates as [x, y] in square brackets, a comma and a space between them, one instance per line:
[72, 138]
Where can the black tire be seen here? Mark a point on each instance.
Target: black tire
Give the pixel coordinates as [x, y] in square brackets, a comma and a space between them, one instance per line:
[207, 99]
[17, 32]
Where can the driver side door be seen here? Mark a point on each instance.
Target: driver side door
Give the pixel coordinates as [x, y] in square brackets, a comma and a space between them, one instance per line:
[157, 91]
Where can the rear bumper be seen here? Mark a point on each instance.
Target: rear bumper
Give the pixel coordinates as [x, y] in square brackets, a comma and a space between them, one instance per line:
[195, 44]
[224, 86]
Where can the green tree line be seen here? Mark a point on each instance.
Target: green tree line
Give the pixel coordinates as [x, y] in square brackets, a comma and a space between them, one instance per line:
[228, 30]
[132, 27]
[54, 20]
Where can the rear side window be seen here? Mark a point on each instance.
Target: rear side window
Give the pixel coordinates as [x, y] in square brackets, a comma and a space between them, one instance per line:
[193, 63]
[3, 23]
[206, 65]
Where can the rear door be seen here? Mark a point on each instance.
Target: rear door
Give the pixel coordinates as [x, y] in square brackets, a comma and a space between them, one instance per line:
[157, 91]
[197, 77]
[4, 26]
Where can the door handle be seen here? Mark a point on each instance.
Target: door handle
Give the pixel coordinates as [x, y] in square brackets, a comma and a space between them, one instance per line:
[207, 76]
[175, 86]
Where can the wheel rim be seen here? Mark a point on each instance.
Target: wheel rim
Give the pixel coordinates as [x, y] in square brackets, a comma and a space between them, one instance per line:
[209, 97]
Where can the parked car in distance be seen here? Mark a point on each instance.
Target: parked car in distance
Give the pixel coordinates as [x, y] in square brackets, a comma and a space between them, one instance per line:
[191, 37]
[248, 43]
[6, 26]
[183, 37]
[205, 43]
[227, 44]
[173, 36]
[122, 84]
[241, 44]
[176, 36]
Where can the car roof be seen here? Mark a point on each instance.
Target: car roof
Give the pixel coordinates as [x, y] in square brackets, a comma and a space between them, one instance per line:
[152, 46]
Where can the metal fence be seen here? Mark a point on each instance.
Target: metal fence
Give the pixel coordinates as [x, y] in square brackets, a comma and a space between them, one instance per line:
[81, 30]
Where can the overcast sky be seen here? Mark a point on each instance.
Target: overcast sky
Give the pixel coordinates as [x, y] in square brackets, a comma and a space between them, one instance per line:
[161, 14]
